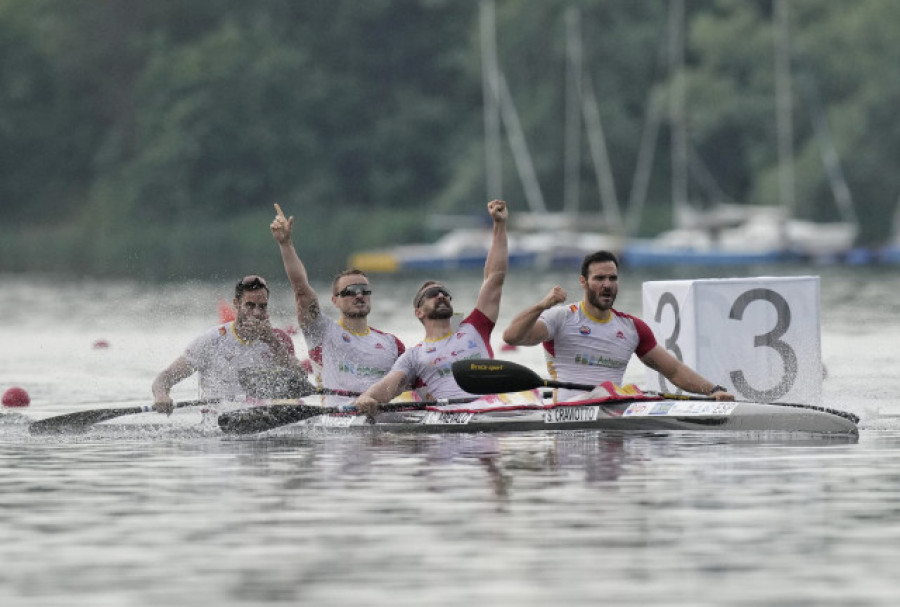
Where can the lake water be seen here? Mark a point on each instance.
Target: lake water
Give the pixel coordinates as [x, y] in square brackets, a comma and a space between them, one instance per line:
[323, 518]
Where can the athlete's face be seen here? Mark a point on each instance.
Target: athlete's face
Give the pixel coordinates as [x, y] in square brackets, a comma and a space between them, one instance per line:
[601, 285]
[352, 299]
[252, 311]
[434, 303]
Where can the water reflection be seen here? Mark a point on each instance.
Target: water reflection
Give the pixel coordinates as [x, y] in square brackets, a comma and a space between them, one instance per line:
[153, 516]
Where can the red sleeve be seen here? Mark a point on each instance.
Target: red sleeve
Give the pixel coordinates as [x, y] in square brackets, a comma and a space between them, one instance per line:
[483, 325]
[400, 347]
[646, 340]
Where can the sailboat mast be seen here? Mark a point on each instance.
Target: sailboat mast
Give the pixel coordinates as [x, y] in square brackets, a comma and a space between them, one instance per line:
[784, 115]
[677, 113]
[573, 111]
[491, 93]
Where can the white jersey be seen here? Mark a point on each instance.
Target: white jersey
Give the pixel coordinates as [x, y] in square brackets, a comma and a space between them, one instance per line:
[583, 349]
[218, 354]
[343, 360]
[427, 365]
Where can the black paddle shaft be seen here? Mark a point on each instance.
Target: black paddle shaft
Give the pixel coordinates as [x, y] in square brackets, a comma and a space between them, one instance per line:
[269, 417]
[80, 421]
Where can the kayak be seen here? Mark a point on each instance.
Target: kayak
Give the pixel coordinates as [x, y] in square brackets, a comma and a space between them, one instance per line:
[519, 405]
[600, 414]
[523, 412]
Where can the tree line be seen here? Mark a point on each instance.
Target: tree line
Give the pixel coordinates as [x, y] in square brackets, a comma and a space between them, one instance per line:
[150, 138]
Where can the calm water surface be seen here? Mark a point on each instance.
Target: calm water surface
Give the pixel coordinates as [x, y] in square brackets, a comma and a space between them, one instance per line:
[171, 516]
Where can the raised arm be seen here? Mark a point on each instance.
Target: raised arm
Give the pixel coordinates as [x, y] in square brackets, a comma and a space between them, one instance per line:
[304, 296]
[682, 375]
[496, 264]
[525, 329]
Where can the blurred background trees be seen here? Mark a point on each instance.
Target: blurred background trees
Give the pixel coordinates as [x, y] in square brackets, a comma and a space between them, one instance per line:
[150, 138]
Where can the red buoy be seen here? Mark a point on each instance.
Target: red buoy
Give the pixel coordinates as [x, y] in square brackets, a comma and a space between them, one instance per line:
[16, 397]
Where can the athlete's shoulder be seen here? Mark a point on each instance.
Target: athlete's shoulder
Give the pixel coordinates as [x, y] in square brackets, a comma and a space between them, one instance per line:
[628, 316]
[642, 327]
[389, 337]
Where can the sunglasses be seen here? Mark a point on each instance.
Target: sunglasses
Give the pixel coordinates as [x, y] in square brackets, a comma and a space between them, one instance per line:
[431, 292]
[354, 290]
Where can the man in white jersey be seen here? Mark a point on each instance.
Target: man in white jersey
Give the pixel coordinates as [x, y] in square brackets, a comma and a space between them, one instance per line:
[249, 341]
[590, 342]
[347, 354]
[426, 366]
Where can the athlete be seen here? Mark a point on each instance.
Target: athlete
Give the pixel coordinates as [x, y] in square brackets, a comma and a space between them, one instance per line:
[249, 341]
[426, 367]
[591, 342]
[347, 354]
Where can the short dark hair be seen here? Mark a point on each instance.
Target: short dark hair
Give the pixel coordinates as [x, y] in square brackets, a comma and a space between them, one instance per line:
[251, 282]
[595, 257]
[341, 274]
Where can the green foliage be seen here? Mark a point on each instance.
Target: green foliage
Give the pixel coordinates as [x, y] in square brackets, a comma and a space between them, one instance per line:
[150, 138]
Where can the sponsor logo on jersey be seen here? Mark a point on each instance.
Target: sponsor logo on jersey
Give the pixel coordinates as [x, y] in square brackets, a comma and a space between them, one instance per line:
[620, 335]
[584, 330]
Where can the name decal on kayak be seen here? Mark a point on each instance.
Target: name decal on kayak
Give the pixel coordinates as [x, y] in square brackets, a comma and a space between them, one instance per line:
[571, 414]
[680, 409]
[447, 417]
[337, 421]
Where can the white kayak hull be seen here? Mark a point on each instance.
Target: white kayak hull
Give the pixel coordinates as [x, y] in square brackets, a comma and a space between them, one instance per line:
[617, 417]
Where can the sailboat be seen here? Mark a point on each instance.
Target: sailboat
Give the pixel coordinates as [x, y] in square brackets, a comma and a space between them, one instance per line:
[538, 238]
[731, 234]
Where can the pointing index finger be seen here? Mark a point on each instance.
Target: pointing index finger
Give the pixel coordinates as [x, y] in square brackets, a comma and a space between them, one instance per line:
[279, 212]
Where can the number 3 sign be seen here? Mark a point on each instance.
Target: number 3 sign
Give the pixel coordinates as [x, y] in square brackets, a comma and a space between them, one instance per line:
[758, 337]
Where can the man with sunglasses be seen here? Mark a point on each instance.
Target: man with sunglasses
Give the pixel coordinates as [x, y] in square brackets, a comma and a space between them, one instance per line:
[346, 354]
[249, 341]
[590, 342]
[426, 366]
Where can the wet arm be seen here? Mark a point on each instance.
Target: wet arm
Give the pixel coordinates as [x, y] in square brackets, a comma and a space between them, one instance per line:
[496, 264]
[680, 374]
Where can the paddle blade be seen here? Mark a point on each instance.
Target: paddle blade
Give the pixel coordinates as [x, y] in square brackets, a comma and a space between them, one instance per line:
[275, 383]
[260, 419]
[485, 376]
[77, 422]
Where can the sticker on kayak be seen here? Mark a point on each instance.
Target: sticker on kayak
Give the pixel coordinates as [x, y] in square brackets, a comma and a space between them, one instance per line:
[447, 417]
[679, 409]
[336, 421]
[559, 415]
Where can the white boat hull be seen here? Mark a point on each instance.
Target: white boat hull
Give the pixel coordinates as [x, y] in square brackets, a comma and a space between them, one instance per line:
[617, 417]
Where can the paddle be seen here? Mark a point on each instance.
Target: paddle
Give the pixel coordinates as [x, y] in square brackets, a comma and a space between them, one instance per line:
[81, 420]
[260, 419]
[486, 376]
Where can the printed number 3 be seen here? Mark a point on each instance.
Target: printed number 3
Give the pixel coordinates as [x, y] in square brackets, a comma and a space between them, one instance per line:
[772, 339]
[671, 343]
